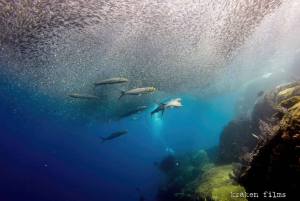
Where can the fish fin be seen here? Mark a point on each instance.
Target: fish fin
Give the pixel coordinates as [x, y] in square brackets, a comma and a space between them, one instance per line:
[119, 118]
[95, 84]
[163, 111]
[160, 104]
[122, 93]
[103, 139]
[150, 114]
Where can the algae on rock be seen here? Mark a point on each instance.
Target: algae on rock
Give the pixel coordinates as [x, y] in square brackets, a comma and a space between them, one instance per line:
[217, 186]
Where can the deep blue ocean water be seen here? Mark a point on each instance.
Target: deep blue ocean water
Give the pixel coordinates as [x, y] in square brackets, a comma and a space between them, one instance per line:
[46, 158]
[213, 55]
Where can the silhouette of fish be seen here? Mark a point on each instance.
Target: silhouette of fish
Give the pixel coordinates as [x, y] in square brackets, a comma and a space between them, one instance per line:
[133, 111]
[113, 135]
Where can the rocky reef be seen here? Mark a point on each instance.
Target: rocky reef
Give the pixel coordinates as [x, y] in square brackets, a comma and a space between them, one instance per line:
[233, 137]
[216, 185]
[258, 157]
[247, 99]
[181, 181]
[273, 167]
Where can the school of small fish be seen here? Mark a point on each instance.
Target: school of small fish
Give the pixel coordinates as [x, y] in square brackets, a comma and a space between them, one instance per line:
[198, 47]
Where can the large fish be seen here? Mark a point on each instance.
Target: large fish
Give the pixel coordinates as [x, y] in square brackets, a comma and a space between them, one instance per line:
[113, 135]
[111, 81]
[137, 91]
[133, 111]
[84, 96]
[163, 106]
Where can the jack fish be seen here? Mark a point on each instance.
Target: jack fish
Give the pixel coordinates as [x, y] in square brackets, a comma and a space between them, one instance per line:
[111, 81]
[84, 96]
[137, 91]
[163, 106]
[113, 135]
[133, 111]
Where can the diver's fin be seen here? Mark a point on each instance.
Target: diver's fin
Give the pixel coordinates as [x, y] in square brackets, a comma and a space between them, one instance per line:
[103, 139]
[122, 93]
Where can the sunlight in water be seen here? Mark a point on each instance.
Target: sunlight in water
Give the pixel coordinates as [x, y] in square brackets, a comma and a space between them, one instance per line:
[157, 123]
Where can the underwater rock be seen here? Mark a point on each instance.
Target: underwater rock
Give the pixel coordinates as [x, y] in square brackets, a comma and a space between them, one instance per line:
[254, 90]
[264, 107]
[212, 153]
[180, 181]
[216, 185]
[234, 136]
[198, 158]
[274, 169]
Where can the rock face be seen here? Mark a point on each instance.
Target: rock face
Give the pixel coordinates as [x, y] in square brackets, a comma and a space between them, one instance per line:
[246, 101]
[274, 164]
[181, 181]
[216, 185]
[234, 136]
[270, 169]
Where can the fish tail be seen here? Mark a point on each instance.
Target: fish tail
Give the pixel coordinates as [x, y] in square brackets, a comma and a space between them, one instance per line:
[122, 93]
[103, 139]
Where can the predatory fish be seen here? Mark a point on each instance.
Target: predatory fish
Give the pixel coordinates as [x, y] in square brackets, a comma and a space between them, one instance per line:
[111, 81]
[133, 111]
[163, 106]
[137, 91]
[113, 135]
[84, 96]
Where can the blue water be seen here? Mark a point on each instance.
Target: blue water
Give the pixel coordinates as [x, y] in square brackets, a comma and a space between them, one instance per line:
[44, 157]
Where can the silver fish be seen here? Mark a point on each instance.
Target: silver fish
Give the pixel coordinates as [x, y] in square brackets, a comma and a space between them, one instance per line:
[111, 81]
[133, 111]
[84, 96]
[163, 106]
[137, 91]
[255, 136]
[135, 118]
[113, 135]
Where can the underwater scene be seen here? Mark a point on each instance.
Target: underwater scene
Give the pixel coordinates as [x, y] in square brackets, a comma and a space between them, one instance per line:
[149, 100]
